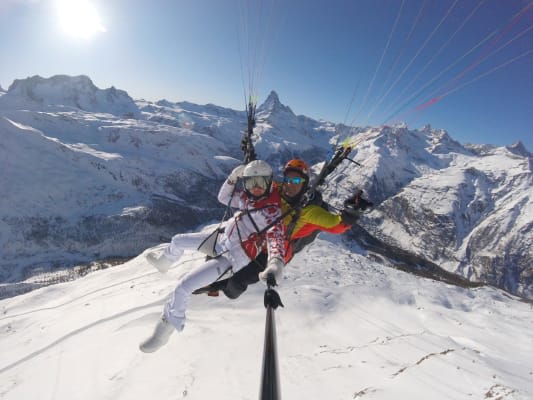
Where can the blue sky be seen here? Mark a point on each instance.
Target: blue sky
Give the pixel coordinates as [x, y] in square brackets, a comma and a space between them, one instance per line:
[463, 65]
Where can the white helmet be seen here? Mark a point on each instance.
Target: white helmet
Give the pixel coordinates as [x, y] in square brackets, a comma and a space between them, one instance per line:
[257, 173]
[257, 168]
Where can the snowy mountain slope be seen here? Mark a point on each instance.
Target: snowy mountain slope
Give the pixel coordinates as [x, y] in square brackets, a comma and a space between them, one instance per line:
[80, 186]
[351, 328]
[83, 184]
[468, 212]
[58, 173]
[391, 158]
[68, 200]
[279, 134]
[88, 185]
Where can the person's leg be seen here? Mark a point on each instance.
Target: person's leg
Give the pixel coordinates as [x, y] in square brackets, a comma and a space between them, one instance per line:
[208, 272]
[238, 283]
[184, 241]
[213, 288]
[173, 317]
[163, 260]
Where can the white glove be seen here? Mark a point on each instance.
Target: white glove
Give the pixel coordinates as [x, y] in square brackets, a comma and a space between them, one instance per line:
[274, 269]
[236, 173]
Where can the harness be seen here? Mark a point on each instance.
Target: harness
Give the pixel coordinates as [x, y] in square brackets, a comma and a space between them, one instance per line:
[259, 233]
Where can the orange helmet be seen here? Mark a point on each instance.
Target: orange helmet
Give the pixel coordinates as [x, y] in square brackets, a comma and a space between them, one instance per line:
[297, 165]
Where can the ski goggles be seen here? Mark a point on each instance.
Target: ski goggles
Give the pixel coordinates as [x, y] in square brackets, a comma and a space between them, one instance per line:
[295, 180]
[251, 182]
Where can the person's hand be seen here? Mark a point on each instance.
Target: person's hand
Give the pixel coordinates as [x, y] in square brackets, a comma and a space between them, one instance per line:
[236, 174]
[357, 202]
[349, 216]
[273, 271]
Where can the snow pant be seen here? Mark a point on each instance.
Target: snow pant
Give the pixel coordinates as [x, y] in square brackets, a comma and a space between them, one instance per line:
[182, 242]
[239, 281]
[192, 241]
[175, 307]
[211, 270]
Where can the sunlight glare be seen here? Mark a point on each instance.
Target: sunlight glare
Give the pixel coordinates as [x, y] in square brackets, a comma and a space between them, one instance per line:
[79, 18]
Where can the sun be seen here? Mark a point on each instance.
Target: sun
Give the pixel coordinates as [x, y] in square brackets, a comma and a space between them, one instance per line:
[79, 18]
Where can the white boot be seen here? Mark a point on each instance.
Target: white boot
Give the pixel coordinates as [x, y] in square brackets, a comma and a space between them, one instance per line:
[159, 338]
[159, 260]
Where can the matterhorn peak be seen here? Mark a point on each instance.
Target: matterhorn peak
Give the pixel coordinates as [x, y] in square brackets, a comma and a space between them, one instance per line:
[272, 98]
[273, 105]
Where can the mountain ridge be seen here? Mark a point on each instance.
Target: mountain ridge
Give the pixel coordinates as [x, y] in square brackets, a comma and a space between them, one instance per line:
[145, 175]
[63, 91]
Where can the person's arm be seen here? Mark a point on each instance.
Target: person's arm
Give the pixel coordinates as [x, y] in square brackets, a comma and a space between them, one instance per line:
[275, 238]
[228, 194]
[316, 218]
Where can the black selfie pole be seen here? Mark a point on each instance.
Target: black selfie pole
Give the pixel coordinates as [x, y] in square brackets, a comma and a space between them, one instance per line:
[270, 388]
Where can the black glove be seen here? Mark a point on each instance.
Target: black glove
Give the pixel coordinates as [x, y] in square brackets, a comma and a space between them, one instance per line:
[349, 216]
[357, 202]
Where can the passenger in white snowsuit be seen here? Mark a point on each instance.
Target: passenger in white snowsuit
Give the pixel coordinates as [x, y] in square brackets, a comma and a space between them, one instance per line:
[241, 241]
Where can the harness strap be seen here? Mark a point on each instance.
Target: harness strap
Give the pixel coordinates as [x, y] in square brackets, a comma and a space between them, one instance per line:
[249, 215]
[292, 224]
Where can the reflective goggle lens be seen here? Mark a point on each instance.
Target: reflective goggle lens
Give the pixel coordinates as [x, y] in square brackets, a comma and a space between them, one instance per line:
[295, 180]
[256, 181]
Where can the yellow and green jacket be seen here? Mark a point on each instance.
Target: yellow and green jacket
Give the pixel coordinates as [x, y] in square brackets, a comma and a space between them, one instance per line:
[311, 220]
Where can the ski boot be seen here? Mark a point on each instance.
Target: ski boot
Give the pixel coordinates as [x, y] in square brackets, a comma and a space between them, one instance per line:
[159, 338]
[159, 260]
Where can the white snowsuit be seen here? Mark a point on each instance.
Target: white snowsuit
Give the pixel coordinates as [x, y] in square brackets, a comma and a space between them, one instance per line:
[239, 244]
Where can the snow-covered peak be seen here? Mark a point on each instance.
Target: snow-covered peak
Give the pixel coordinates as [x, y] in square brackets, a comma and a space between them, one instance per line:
[480, 149]
[518, 148]
[63, 92]
[165, 103]
[273, 105]
[442, 143]
[273, 98]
